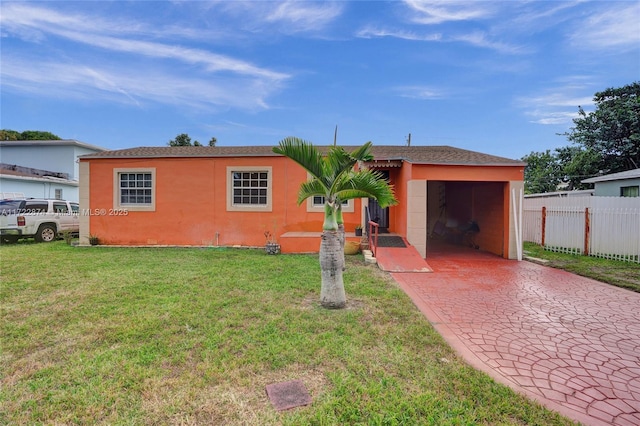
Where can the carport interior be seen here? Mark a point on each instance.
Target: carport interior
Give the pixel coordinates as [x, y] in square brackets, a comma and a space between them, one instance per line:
[452, 207]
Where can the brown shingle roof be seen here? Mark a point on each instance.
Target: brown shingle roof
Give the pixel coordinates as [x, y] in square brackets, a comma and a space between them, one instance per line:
[413, 154]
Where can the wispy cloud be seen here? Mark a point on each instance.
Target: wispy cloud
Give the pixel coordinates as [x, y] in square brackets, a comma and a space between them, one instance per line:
[80, 81]
[481, 39]
[477, 39]
[375, 32]
[557, 105]
[429, 13]
[420, 92]
[283, 17]
[305, 16]
[438, 12]
[617, 27]
[218, 79]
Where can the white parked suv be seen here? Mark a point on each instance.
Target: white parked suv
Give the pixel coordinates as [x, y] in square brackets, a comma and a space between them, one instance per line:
[40, 218]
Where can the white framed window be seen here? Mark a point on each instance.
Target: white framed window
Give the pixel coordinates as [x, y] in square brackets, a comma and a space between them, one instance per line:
[58, 194]
[249, 188]
[134, 189]
[316, 204]
[630, 191]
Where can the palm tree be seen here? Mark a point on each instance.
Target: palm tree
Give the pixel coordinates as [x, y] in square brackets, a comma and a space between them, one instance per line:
[333, 177]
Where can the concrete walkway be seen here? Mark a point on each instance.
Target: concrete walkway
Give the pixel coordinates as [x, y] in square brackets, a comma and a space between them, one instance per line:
[569, 342]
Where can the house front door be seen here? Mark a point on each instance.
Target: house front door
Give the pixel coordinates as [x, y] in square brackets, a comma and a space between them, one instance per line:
[377, 213]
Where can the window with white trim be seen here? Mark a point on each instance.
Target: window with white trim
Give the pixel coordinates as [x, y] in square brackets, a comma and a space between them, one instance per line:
[316, 204]
[318, 201]
[249, 188]
[134, 189]
[630, 191]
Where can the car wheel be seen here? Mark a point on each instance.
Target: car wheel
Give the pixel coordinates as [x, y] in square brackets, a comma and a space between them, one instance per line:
[9, 240]
[46, 233]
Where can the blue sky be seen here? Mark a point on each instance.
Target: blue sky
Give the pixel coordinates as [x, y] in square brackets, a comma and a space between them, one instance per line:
[497, 77]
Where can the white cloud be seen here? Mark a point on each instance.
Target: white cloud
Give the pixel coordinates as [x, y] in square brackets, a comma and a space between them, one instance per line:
[75, 28]
[372, 32]
[78, 81]
[438, 12]
[420, 92]
[558, 105]
[441, 12]
[552, 118]
[305, 16]
[216, 79]
[211, 61]
[480, 39]
[617, 27]
[283, 17]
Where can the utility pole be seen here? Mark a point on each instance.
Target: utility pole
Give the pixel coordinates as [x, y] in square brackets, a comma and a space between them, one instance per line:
[409, 140]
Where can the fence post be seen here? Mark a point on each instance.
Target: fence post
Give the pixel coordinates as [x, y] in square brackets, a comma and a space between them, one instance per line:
[587, 227]
[544, 224]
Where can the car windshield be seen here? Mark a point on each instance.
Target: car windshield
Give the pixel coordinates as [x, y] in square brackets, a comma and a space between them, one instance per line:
[9, 206]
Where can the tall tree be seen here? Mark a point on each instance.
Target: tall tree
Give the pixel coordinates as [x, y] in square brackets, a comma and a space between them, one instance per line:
[183, 139]
[333, 176]
[577, 163]
[213, 141]
[542, 173]
[9, 135]
[37, 135]
[613, 129]
[27, 135]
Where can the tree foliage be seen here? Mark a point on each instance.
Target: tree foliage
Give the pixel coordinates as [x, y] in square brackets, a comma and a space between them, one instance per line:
[577, 163]
[613, 129]
[542, 172]
[183, 139]
[606, 140]
[27, 135]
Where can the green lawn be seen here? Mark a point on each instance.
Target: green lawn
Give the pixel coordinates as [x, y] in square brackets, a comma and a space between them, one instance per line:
[614, 272]
[191, 336]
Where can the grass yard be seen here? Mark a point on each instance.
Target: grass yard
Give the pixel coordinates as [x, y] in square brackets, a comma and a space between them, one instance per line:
[614, 272]
[192, 336]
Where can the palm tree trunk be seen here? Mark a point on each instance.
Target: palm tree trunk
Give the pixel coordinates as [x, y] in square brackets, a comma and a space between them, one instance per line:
[340, 222]
[332, 293]
[342, 238]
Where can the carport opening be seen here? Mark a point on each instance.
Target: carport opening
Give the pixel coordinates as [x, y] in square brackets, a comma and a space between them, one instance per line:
[464, 214]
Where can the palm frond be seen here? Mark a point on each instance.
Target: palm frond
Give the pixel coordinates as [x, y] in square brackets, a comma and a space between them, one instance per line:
[311, 188]
[339, 161]
[303, 153]
[363, 153]
[365, 184]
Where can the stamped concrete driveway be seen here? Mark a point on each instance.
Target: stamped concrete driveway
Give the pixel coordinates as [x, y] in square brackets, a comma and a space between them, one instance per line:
[569, 342]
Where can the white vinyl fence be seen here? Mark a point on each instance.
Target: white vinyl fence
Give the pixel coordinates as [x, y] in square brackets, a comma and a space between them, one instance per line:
[606, 227]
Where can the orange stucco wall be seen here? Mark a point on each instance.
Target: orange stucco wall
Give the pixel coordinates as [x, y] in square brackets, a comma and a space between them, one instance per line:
[191, 206]
[467, 173]
[191, 203]
[497, 222]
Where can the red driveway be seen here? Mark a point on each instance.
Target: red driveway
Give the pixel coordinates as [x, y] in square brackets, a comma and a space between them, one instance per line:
[569, 342]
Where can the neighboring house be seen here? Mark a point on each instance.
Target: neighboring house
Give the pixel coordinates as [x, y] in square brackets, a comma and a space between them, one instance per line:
[562, 194]
[622, 184]
[226, 196]
[46, 169]
[19, 182]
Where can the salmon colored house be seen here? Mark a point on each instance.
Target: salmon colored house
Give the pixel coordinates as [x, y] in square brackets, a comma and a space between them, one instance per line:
[231, 196]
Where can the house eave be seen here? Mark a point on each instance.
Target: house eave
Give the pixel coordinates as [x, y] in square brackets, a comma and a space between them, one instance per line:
[44, 179]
